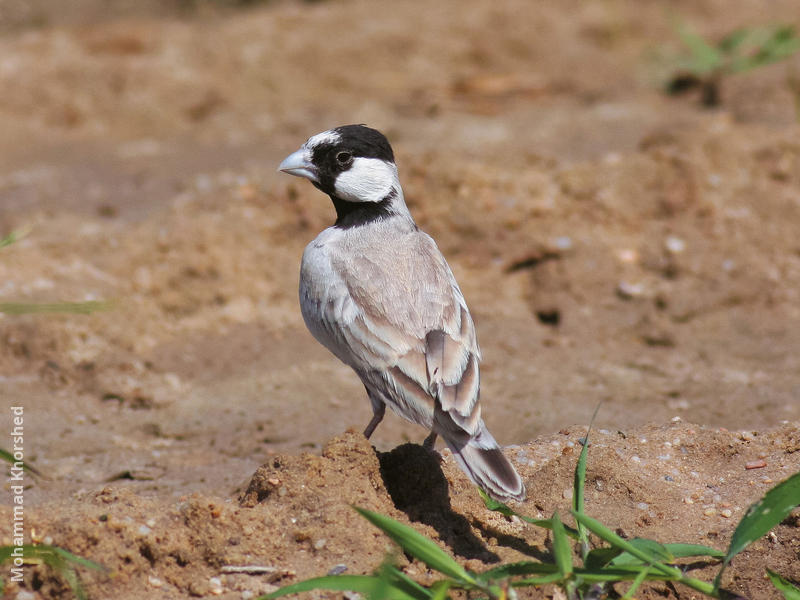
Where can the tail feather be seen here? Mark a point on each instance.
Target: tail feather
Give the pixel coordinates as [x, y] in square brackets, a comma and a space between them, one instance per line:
[489, 469]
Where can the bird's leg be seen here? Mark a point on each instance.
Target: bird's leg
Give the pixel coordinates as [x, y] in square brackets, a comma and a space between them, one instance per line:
[430, 441]
[378, 410]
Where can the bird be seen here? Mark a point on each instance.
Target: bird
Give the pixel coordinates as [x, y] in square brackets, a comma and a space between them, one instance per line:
[376, 291]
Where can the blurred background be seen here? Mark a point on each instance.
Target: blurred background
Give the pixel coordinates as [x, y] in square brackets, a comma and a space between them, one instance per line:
[616, 185]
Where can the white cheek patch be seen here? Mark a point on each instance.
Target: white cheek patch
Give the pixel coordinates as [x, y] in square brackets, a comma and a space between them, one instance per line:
[367, 180]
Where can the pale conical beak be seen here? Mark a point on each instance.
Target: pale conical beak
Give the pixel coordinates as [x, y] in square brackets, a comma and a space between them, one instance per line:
[297, 163]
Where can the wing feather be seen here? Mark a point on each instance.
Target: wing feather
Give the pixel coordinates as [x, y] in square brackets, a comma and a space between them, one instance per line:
[404, 321]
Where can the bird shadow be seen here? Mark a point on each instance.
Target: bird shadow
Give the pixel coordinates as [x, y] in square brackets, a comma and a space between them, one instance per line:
[414, 479]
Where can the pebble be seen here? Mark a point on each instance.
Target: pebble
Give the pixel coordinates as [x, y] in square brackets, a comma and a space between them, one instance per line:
[25, 595]
[674, 245]
[563, 242]
[726, 513]
[215, 583]
[642, 506]
[320, 544]
[338, 569]
[710, 512]
[628, 291]
[154, 581]
[755, 464]
[144, 529]
[627, 255]
[567, 494]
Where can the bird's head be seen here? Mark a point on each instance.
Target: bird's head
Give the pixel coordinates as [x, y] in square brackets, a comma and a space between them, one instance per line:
[352, 163]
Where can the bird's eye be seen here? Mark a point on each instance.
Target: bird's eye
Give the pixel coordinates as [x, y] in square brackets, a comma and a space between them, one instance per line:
[344, 158]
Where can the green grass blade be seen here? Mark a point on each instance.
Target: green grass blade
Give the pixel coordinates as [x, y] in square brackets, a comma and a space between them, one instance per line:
[789, 591]
[705, 58]
[600, 557]
[506, 510]
[637, 582]
[418, 546]
[579, 485]
[562, 551]
[765, 514]
[658, 551]
[9, 458]
[733, 40]
[546, 579]
[75, 559]
[58, 559]
[440, 589]
[362, 584]
[685, 550]
[762, 516]
[519, 568]
[26, 308]
[672, 573]
[612, 538]
[14, 236]
[403, 582]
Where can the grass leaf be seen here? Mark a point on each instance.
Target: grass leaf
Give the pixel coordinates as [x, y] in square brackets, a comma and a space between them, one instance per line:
[637, 582]
[579, 485]
[762, 516]
[9, 458]
[60, 560]
[789, 591]
[562, 551]
[765, 514]
[651, 547]
[612, 538]
[506, 510]
[418, 546]
[14, 236]
[684, 550]
[704, 57]
[518, 568]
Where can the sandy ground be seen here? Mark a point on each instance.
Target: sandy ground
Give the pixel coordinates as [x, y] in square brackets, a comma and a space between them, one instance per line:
[615, 245]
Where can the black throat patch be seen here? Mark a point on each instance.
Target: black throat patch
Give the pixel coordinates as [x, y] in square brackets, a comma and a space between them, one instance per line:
[355, 214]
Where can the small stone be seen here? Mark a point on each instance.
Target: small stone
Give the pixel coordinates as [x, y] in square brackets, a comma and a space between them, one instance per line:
[338, 569]
[643, 506]
[563, 242]
[674, 245]
[567, 494]
[144, 529]
[25, 595]
[215, 585]
[710, 511]
[755, 464]
[627, 255]
[154, 581]
[726, 513]
[320, 544]
[688, 500]
[629, 291]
